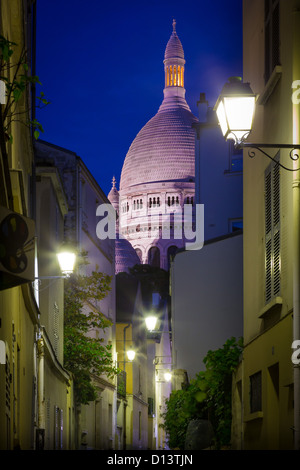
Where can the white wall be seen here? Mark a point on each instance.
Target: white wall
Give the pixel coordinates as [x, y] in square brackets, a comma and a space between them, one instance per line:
[207, 303]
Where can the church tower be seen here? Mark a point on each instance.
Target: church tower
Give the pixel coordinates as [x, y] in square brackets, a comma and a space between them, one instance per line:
[158, 174]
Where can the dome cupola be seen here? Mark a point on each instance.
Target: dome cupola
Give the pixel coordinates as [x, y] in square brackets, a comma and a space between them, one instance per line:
[164, 149]
[174, 61]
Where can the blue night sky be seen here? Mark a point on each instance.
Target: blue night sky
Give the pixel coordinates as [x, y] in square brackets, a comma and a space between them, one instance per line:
[101, 66]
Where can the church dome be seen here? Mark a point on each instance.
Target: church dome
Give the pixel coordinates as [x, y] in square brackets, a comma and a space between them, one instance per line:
[164, 149]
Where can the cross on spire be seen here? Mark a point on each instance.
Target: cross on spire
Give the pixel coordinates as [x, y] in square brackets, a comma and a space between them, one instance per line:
[114, 183]
[174, 26]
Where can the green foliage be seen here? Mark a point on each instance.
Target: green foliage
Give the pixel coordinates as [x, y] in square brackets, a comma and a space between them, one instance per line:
[208, 396]
[17, 79]
[86, 354]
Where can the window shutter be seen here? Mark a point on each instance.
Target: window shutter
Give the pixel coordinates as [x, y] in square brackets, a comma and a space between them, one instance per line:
[272, 37]
[276, 230]
[55, 328]
[272, 232]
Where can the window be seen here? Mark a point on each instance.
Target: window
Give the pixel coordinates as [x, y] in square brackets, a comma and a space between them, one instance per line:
[140, 425]
[154, 257]
[139, 253]
[171, 253]
[255, 392]
[235, 225]
[272, 231]
[272, 41]
[235, 158]
[58, 428]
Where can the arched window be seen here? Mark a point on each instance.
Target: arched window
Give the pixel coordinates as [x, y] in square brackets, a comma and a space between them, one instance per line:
[171, 252]
[158, 202]
[139, 253]
[154, 257]
[177, 201]
[150, 202]
[141, 203]
[169, 201]
[188, 200]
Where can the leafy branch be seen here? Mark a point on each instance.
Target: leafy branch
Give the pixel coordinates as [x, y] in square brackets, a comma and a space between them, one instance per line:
[208, 396]
[85, 354]
[16, 88]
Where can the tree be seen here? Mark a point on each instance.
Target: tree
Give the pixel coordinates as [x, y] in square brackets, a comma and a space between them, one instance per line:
[208, 396]
[85, 354]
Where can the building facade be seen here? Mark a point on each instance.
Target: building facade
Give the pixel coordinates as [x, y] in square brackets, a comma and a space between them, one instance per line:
[267, 394]
[96, 421]
[36, 394]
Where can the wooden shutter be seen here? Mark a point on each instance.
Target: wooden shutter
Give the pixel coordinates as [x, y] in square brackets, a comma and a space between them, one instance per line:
[272, 37]
[272, 232]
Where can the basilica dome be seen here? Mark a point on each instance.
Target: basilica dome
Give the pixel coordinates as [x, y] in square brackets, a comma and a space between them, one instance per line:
[158, 175]
[164, 149]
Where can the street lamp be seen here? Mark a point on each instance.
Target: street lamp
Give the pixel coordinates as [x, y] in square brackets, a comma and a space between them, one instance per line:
[130, 355]
[235, 109]
[66, 259]
[151, 321]
[168, 376]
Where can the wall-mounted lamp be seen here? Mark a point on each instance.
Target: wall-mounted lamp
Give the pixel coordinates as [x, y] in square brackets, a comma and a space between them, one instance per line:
[235, 110]
[167, 376]
[130, 355]
[66, 259]
[151, 322]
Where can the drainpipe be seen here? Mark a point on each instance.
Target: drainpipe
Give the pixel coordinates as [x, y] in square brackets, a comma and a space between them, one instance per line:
[41, 397]
[296, 224]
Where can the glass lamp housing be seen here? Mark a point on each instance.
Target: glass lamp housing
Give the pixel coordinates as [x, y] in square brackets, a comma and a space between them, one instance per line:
[235, 109]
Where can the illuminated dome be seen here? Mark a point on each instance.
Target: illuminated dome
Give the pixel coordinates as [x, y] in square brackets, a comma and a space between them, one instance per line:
[158, 174]
[164, 149]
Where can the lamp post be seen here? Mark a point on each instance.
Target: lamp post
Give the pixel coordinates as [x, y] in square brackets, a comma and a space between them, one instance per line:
[235, 110]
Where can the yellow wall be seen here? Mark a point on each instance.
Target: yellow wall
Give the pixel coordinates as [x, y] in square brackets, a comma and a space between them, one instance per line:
[268, 327]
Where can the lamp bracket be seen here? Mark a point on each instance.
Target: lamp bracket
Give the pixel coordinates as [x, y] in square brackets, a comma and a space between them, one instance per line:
[252, 147]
